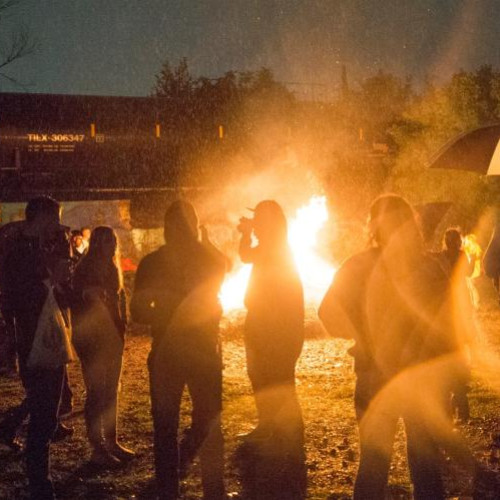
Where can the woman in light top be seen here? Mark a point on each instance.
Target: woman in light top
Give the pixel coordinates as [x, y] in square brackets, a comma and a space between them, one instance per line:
[99, 320]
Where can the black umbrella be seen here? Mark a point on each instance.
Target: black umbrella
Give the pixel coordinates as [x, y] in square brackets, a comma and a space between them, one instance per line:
[477, 151]
[431, 215]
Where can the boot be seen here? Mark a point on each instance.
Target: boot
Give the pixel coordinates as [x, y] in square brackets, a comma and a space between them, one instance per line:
[261, 433]
[111, 443]
[11, 424]
[11, 440]
[119, 451]
[103, 459]
[62, 432]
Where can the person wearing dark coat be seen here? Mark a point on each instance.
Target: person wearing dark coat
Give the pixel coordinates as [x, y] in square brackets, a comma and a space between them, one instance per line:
[38, 253]
[8, 358]
[10, 237]
[176, 293]
[457, 267]
[8, 355]
[491, 259]
[274, 325]
[392, 299]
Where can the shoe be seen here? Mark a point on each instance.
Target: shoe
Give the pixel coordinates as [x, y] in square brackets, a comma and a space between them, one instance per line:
[65, 411]
[11, 440]
[103, 459]
[120, 452]
[62, 432]
[259, 434]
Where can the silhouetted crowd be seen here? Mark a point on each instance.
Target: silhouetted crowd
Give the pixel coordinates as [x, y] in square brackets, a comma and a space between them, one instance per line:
[408, 311]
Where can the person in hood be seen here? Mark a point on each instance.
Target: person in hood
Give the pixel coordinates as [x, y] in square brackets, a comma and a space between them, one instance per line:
[176, 292]
[38, 253]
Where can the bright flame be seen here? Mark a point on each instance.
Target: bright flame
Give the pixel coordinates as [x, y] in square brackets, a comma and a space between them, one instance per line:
[232, 294]
[473, 251]
[315, 272]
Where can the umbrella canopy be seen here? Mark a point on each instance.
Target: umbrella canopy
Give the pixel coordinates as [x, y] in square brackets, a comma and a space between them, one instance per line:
[477, 151]
[431, 216]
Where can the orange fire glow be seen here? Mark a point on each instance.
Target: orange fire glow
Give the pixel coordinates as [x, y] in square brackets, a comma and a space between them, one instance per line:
[473, 251]
[315, 272]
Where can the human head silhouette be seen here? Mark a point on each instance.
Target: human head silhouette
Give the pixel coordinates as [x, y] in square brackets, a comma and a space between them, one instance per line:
[76, 238]
[43, 218]
[103, 242]
[269, 223]
[452, 239]
[393, 221]
[181, 222]
[43, 207]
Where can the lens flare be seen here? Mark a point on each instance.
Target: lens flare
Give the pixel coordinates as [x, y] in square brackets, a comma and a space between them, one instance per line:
[315, 272]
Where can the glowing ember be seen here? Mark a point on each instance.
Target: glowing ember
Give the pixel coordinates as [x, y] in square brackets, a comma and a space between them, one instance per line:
[315, 272]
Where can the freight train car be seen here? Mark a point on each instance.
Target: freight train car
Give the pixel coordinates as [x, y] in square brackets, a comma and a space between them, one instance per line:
[83, 147]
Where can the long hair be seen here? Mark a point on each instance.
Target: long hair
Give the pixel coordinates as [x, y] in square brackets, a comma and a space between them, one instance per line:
[393, 221]
[270, 224]
[104, 256]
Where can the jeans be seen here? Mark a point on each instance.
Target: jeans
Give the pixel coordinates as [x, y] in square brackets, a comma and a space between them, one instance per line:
[273, 384]
[101, 368]
[8, 354]
[17, 415]
[43, 395]
[43, 391]
[172, 366]
[378, 426]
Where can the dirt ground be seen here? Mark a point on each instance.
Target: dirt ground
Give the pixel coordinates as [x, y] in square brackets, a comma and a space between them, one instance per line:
[325, 386]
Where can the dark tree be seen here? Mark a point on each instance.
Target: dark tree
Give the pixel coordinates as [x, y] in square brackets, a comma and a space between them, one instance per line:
[216, 117]
[14, 44]
[489, 104]
[383, 98]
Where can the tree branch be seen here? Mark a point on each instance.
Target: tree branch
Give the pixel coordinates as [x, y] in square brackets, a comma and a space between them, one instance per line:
[8, 4]
[19, 45]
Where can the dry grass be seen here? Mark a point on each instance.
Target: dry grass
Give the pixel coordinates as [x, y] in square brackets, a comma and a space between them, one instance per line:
[325, 386]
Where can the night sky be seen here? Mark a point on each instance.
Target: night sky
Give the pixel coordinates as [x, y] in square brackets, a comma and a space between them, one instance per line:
[117, 46]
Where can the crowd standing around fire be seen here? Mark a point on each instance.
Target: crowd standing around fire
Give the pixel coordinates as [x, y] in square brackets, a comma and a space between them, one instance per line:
[408, 311]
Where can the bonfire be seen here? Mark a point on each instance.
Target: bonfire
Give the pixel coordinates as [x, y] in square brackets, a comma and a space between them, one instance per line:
[316, 272]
